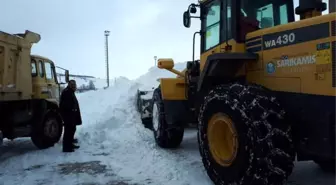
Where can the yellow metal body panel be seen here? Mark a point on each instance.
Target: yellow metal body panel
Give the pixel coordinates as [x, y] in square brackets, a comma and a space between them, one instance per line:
[16, 79]
[220, 49]
[235, 48]
[15, 67]
[173, 88]
[311, 78]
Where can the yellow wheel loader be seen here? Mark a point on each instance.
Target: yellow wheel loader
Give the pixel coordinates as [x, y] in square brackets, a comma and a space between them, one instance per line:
[29, 92]
[262, 93]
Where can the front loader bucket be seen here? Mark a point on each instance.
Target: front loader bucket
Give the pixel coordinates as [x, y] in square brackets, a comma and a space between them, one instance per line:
[144, 106]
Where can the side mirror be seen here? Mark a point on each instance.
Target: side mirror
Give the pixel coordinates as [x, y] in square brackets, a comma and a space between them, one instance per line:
[67, 76]
[193, 8]
[186, 19]
[166, 63]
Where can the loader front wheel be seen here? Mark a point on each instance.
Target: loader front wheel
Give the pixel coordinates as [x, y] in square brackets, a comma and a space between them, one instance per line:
[243, 138]
[166, 136]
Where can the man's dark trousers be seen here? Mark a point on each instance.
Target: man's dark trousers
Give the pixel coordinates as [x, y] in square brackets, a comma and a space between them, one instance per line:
[69, 132]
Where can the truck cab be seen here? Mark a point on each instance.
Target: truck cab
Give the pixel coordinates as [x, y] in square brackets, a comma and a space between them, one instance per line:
[44, 79]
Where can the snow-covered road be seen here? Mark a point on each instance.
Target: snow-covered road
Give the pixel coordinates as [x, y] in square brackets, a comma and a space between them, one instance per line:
[117, 150]
[119, 162]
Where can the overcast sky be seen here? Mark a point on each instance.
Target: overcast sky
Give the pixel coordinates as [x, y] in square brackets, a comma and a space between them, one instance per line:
[72, 32]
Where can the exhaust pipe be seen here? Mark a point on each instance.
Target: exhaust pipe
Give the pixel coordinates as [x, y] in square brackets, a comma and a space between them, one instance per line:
[332, 6]
[310, 8]
[1, 138]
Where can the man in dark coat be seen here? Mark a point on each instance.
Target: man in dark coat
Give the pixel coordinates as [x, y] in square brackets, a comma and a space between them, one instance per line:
[71, 115]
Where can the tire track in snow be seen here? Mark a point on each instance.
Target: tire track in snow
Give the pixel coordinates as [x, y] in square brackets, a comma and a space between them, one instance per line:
[176, 164]
[131, 148]
[183, 165]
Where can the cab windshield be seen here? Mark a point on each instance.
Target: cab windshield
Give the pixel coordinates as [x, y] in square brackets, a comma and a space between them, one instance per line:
[236, 19]
[267, 13]
[212, 24]
[33, 68]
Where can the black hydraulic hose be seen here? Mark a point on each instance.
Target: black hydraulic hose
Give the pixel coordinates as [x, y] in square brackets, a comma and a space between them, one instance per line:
[186, 82]
[193, 53]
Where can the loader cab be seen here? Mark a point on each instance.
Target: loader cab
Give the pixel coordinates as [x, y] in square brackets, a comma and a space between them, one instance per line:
[225, 23]
[224, 20]
[45, 84]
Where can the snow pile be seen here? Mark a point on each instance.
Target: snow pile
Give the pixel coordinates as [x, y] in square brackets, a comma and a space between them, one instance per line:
[96, 103]
[149, 80]
[148, 95]
[115, 127]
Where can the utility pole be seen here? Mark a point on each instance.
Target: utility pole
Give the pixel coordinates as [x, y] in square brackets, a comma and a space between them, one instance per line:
[155, 57]
[107, 33]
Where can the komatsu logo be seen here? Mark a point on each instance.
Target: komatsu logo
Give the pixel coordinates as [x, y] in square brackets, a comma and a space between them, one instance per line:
[297, 61]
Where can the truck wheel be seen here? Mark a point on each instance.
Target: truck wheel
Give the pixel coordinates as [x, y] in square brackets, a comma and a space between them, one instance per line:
[243, 138]
[165, 136]
[48, 132]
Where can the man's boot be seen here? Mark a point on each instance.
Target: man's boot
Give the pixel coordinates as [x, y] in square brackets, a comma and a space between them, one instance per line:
[68, 149]
[75, 146]
[75, 140]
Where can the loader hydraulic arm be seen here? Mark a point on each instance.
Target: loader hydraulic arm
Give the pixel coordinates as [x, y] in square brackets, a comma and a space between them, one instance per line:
[179, 73]
[168, 64]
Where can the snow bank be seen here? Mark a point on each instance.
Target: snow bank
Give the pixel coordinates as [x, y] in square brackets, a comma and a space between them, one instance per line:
[112, 124]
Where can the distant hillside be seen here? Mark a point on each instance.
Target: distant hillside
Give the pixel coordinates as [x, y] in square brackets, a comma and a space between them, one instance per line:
[78, 76]
[84, 82]
[88, 83]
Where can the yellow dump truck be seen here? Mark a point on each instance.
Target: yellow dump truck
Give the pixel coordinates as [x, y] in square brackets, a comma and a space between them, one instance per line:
[29, 92]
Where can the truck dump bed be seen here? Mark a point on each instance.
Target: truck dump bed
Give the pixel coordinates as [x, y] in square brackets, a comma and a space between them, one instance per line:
[15, 65]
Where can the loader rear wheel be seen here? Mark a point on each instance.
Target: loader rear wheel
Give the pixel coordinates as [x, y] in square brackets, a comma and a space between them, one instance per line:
[166, 136]
[48, 132]
[243, 138]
